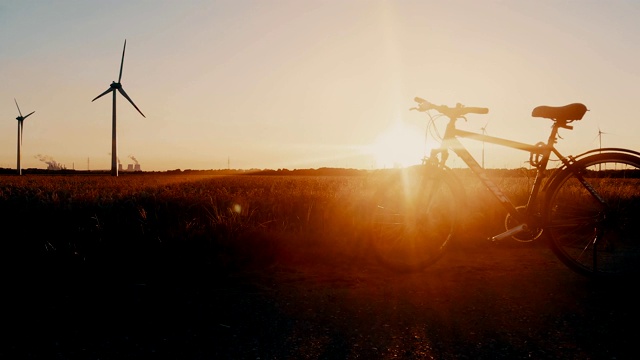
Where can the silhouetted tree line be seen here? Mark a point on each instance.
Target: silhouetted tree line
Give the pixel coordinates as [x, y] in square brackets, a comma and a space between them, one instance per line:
[325, 171]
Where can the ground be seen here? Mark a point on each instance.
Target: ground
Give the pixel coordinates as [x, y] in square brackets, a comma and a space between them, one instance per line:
[503, 300]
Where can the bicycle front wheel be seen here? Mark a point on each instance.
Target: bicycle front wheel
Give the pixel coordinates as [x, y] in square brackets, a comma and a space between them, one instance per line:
[414, 218]
[591, 215]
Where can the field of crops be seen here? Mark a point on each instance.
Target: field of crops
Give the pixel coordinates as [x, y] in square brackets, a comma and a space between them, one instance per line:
[100, 267]
[140, 223]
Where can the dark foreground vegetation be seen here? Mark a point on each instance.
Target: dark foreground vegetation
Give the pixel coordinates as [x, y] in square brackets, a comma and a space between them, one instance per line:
[74, 245]
[139, 224]
[209, 266]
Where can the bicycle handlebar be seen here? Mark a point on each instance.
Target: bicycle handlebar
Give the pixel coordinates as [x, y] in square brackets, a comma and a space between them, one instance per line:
[451, 112]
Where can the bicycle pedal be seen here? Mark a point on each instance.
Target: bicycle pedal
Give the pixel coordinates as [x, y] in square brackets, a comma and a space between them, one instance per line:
[513, 231]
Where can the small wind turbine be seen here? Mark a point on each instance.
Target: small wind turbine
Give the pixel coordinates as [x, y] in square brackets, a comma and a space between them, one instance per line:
[112, 88]
[20, 126]
[599, 136]
[484, 132]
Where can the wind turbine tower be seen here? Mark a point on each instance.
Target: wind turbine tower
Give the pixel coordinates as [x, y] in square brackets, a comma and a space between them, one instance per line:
[112, 88]
[599, 136]
[20, 128]
[484, 132]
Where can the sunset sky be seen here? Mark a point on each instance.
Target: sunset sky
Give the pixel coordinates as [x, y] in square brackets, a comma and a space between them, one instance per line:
[296, 84]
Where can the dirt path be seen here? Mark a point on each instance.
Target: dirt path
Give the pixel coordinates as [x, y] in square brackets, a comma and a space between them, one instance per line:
[505, 301]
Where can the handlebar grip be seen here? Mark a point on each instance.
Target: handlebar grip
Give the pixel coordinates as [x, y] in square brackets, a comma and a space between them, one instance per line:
[419, 100]
[476, 110]
[452, 112]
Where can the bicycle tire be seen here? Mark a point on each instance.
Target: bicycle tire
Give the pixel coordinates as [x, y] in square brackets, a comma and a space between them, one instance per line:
[414, 218]
[596, 239]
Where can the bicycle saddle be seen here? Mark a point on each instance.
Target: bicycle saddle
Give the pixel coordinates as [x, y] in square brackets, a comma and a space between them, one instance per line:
[571, 112]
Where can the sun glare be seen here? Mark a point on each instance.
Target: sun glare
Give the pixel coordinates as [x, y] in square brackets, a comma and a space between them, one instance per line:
[400, 145]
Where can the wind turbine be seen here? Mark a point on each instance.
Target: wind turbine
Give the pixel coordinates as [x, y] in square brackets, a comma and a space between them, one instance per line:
[112, 88]
[599, 136]
[484, 132]
[20, 126]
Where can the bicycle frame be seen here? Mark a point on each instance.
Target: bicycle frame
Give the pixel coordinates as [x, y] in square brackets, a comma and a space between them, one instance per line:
[450, 141]
[585, 206]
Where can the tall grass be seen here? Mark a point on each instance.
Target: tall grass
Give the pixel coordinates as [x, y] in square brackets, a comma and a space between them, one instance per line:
[137, 223]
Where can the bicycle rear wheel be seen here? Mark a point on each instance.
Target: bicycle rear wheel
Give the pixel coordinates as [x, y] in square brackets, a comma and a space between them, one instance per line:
[414, 218]
[592, 215]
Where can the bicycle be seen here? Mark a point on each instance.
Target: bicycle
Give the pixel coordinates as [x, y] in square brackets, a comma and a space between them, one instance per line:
[585, 208]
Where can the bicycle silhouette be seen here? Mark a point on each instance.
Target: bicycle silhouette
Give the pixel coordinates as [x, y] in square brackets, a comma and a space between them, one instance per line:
[587, 208]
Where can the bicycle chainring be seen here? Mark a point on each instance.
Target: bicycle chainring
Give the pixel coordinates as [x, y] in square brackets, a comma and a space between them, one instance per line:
[525, 236]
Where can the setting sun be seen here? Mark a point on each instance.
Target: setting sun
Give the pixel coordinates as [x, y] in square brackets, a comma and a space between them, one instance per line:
[400, 145]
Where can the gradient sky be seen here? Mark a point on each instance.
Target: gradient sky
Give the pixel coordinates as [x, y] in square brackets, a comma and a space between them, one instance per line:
[307, 84]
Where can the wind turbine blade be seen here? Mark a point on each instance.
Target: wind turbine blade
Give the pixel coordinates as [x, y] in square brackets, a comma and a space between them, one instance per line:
[19, 112]
[104, 93]
[26, 116]
[121, 90]
[21, 131]
[122, 61]
[484, 128]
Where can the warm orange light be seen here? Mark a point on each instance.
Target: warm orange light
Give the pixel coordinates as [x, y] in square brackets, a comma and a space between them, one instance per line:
[400, 145]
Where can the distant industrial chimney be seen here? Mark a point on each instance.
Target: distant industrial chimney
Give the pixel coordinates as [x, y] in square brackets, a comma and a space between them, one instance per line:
[134, 167]
[51, 164]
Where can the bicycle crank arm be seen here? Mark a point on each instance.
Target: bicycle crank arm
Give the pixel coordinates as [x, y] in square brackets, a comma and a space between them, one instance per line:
[513, 231]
